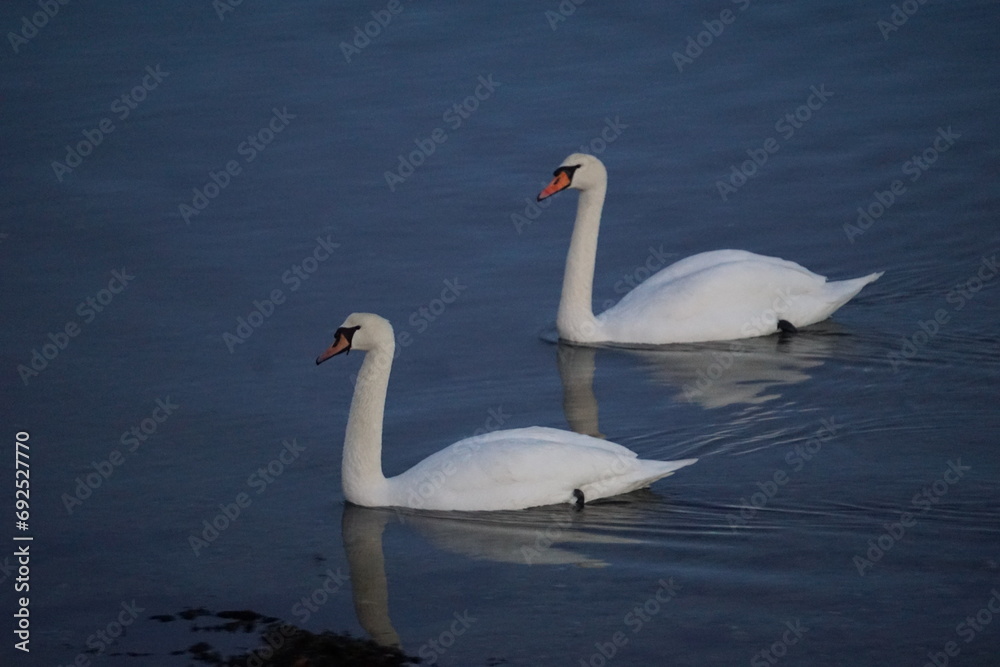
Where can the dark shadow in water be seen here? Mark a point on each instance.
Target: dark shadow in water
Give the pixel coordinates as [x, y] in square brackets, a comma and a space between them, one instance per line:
[713, 375]
[281, 644]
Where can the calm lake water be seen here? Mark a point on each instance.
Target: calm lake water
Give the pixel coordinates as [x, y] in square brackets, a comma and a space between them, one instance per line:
[195, 197]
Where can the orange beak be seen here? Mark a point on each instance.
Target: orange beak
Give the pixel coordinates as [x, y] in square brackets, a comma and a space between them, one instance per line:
[340, 344]
[560, 182]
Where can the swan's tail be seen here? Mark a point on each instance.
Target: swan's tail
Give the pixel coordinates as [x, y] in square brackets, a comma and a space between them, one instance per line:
[645, 473]
[841, 291]
[661, 469]
[817, 306]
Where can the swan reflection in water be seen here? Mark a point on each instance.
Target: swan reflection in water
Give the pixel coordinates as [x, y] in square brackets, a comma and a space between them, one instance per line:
[713, 375]
[524, 537]
[362, 529]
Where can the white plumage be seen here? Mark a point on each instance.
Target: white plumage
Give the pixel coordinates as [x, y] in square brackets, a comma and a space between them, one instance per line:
[717, 295]
[502, 470]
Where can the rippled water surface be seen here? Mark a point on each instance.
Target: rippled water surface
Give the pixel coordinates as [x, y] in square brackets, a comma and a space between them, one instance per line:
[844, 509]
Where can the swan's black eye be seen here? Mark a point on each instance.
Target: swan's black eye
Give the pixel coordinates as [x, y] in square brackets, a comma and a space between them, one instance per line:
[569, 171]
[346, 332]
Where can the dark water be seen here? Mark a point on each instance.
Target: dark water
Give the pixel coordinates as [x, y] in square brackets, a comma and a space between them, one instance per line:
[845, 507]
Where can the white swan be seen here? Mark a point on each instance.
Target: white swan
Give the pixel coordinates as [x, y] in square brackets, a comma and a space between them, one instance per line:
[717, 295]
[502, 470]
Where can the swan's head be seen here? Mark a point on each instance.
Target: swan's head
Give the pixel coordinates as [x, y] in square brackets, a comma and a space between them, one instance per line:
[580, 172]
[361, 331]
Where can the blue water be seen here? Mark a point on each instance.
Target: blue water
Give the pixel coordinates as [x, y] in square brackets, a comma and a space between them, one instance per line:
[845, 508]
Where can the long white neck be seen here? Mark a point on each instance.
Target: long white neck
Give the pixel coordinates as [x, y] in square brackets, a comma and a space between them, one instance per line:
[361, 472]
[575, 320]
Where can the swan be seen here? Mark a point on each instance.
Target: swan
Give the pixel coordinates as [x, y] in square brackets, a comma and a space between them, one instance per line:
[716, 295]
[502, 470]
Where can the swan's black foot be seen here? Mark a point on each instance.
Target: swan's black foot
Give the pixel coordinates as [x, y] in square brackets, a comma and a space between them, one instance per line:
[578, 494]
[784, 326]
